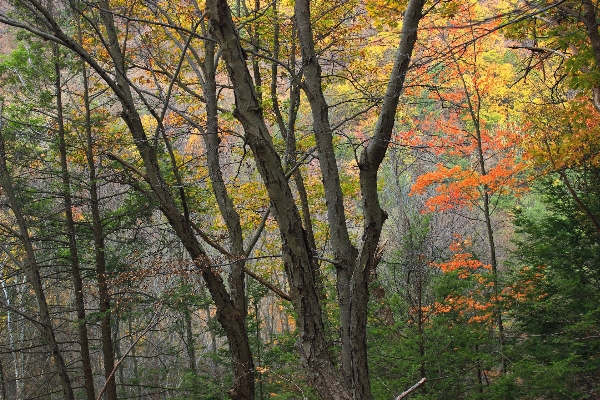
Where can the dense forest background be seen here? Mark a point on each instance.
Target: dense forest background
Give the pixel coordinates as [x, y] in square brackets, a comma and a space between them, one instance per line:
[339, 199]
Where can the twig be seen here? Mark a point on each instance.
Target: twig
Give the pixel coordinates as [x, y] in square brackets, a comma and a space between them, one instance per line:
[264, 282]
[112, 373]
[411, 389]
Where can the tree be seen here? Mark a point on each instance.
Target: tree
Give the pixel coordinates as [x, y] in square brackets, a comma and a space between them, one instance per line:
[354, 262]
[563, 120]
[30, 265]
[552, 292]
[478, 148]
[563, 38]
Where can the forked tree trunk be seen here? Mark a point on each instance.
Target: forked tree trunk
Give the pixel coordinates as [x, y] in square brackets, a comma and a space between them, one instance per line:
[300, 268]
[354, 266]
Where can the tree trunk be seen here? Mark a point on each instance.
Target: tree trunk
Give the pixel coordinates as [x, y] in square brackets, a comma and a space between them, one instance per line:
[344, 253]
[108, 351]
[369, 163]
[86, 362]
[226, 206]
[490, 231]
[312, 344]
[3, 381]
[190, 343]
[32, 269]
[227, 313]
[15, 389]
[474, 110]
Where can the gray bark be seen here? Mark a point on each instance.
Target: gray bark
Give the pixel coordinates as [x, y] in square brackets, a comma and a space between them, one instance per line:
[344, 252]
[297, 259]
[353, 267]
[299, 266]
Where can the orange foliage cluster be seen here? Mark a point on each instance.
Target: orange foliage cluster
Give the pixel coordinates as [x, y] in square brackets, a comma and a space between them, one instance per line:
[463, 184]
[526, 287]
[459, 192]
[469, 131]
[476, 306]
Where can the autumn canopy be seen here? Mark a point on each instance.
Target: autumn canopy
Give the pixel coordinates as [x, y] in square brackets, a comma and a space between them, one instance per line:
[299, 199]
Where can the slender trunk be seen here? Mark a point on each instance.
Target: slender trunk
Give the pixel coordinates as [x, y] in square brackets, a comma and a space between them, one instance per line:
[32, 270]
[242, 357]
[474, 111]
[3, 381]
[86, 362]
[189, 340]
[16, 389]
[421, 326]
[374, 216]
[116, 334]
[479, 373]
[99, 250]
[226, 206]
[288, 132]
[491, 243]
[258, 349]
[133, 353]
[256, 47]
[213, 335]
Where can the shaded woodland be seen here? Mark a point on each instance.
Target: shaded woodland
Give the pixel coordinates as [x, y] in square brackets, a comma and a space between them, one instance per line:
[380, 199]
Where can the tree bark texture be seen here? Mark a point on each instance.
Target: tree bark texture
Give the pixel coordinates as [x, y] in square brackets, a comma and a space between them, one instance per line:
[344, 252]
[313, 346]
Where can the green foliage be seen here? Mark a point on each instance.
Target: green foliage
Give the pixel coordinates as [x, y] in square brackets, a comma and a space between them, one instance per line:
[557, 309]
[194, 386]
[406, 339]
[281, 374]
